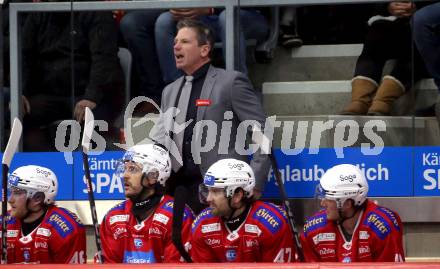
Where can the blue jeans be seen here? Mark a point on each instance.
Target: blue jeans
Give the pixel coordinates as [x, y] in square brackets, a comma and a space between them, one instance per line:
[253, 25]
[426, 26]
[137, 28]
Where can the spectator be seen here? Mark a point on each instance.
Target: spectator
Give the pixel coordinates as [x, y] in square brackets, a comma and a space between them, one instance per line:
[206, 94]
[351, 228]
[389, 37]
[137, 28]
[236, 228]
[38, 230]
[252, 25]
[47, 71]
[426, 26]
[138, 230]
[289, 37]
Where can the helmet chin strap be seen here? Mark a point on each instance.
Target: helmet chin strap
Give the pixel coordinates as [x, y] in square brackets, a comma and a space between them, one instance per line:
[232, 208]
[343, 218]
[29, 211]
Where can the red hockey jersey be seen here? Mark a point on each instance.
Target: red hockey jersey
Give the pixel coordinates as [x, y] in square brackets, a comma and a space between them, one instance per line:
[264, 236]
[60, 238]
[377, 238]
[124, 240]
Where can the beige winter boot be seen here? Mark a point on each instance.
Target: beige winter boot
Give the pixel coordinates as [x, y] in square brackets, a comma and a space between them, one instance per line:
[389, 90]
[362, 89]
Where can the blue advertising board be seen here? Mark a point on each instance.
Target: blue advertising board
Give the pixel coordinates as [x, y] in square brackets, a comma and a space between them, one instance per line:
[52, 160]
[396, 171]
[106, 185]
[427, 171]
[388, 174]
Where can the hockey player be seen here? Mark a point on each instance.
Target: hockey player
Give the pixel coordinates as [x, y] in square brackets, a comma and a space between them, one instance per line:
[235, 228]
[139, 229]
[39, 231]
[351, 228]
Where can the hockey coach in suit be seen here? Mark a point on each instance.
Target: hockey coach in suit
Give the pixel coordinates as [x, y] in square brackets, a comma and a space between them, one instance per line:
[212, 102]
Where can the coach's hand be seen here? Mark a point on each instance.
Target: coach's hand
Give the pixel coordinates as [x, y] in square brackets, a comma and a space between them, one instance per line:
[80, 109]
[26, 106]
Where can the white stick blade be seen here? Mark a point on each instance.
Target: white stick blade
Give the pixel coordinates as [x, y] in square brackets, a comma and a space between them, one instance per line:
[89, 124]
[14, 138]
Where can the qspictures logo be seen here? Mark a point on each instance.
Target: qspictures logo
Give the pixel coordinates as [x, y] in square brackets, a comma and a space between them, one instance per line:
[345, 133]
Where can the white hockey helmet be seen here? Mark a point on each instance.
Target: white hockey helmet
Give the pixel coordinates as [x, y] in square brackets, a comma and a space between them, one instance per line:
[151, 157]
[33, 179]
[343, 182]
[230, 174]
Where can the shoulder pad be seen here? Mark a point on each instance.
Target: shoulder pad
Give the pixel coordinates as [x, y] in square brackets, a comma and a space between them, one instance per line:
[391, 216]
[60, 223]
[168, 206]
[9, 219]
[277, 208]
[206, 213]
[74, 217]
[120, 206]
[313, 223]
[266, 216]
[377, 224]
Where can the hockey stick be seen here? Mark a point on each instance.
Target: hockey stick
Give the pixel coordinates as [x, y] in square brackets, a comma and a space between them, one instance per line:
[11, 147]
[180, 196]
[289, 211]
[260, 139]
[89, 124]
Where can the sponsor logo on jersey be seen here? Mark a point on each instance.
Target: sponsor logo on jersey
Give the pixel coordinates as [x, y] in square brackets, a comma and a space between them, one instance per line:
[231, 255]
[346, 260]
[251, 243]
[268, 219]
[25, 239]
[203, 215]
[12, 233]
[139, 257]
[323, 237]
[44, 232]
[41, 245]
[155, 231]
[118, 218]
[347, 245]
[327, 251]
[118, 232]
[26, 255]
[168, 206]
[212, 242]
[61, 224]
[314, 223]
[251, 228]
[139, 226]
[161, 218]
[364, 235]
[138, 242]
[9, 220]
[364, 249]
[390, 214]
[213, 227]
[378, 225]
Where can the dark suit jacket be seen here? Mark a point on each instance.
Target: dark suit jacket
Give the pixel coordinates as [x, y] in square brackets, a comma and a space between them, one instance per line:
[232, 99]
